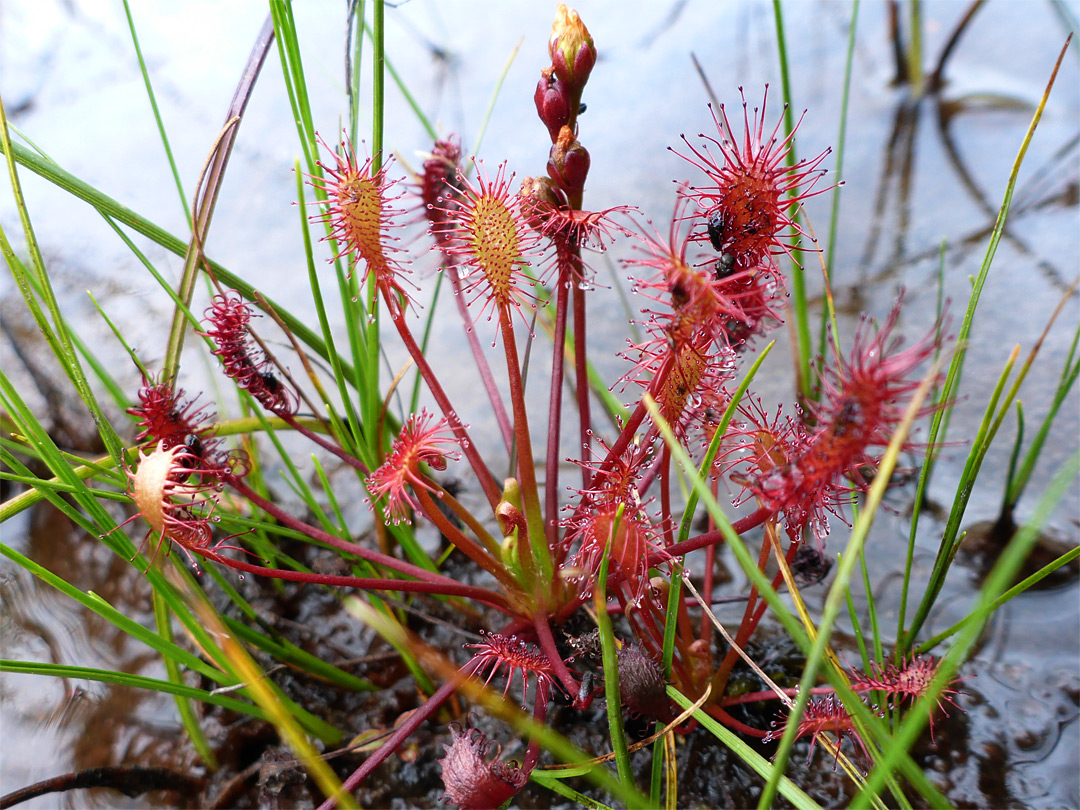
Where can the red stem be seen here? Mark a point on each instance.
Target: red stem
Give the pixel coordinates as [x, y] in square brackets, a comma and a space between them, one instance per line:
[707, 580]
[487, 481]
[547, 644]
[486, 377]
[753, 520]
[466, 517]
[777, 581]
[626, 435]
[551, 464]
[581, 372]
[732, 723]
[644, 630]
[768, 694]
[532, 753]
[405, 585]
[530, 495]
[315, 533]
[348, 458]
[430, 706]
[471, 550]
[630, 428]
[746, 629]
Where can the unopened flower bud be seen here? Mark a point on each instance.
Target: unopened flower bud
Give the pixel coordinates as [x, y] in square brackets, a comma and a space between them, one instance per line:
[568, 163]
[571, 47]
[552, 99]
[510, 518]
[641, 685]
[699, 649]
[699, 659]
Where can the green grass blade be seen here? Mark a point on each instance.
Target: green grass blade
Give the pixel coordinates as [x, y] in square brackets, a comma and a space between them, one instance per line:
[952, 377]
[610, 659]
[1005, 568]
[363, 336]
[845, 569]
[56, 334]
[157, 113]
[95, 603]
[927, 469]
[288, 653]
[378, 83]
[136, 681]
[788, 789]
[1016, 590]
[564, 750]
[675, 584]
[841, 141]
[110, 207]
[790, 623]
[799, 305]
[357, 15]
[183, 704]
[283, 713]
[1069, 374]
[293, 72]
[358, 444]
[914, 50]
[96, 520]
[553, 783]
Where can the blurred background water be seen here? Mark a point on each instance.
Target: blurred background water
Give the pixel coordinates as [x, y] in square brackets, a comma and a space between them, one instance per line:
[919, 174]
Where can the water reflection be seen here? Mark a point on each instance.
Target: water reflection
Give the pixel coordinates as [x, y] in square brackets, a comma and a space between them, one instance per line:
[69, 725]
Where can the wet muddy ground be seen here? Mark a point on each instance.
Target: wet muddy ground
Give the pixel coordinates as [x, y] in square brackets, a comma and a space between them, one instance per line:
[916, 173]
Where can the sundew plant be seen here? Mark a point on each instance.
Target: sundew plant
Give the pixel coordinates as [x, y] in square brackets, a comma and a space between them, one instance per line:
[586, 584]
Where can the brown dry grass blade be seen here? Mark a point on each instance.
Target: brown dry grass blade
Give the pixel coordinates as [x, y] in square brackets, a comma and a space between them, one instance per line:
[209, 185]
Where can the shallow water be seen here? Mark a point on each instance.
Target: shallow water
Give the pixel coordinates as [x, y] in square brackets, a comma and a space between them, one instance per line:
[917, 174]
